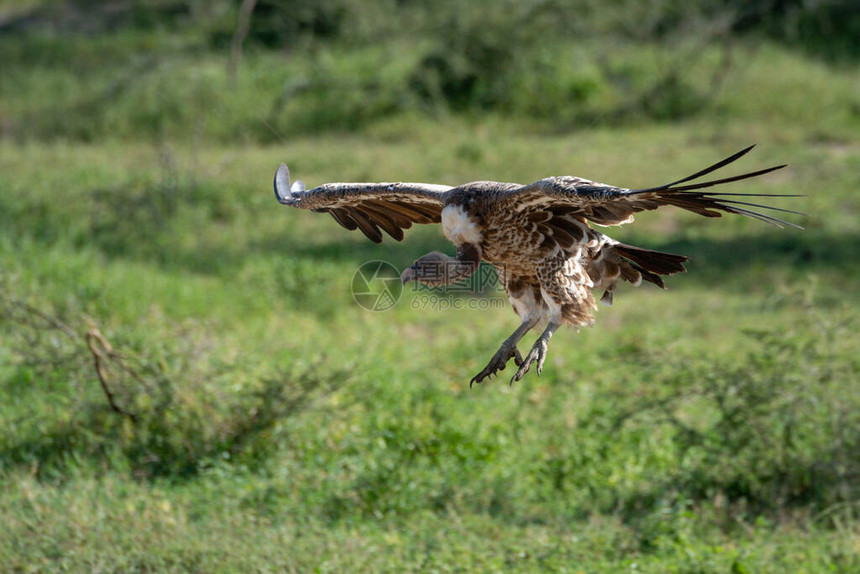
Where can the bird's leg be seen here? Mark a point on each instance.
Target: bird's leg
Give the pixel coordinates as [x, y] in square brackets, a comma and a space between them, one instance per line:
[538, 351]
[507, 351]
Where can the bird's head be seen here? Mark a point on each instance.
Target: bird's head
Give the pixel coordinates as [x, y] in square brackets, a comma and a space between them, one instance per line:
[432, 269]
[435, 268]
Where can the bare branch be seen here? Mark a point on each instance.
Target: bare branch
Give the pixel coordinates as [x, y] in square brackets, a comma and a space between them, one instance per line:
[33, 351]
[102, 351]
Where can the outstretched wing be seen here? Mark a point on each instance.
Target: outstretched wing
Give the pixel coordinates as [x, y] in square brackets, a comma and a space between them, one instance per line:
[610, 205]
[370, 207]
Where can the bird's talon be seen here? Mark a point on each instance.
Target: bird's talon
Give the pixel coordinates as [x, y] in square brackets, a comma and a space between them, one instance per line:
[518, 358]
[498, 363]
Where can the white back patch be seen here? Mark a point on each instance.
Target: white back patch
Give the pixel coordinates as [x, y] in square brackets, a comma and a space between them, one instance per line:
[458, 227]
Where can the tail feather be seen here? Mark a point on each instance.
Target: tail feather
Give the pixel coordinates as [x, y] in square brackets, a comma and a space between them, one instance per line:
[657, 262]
[648, 276]
[637, 264]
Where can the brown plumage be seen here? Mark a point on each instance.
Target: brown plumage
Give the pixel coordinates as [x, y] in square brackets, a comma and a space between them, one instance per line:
[537, 235]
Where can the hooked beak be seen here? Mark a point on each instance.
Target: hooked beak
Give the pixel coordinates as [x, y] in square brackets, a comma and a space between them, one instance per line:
[409, 274]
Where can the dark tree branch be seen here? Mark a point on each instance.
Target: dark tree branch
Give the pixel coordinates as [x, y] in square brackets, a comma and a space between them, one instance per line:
[242, 28]
[102, 352]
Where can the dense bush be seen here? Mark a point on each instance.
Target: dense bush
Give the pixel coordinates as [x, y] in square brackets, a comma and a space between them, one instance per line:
[165, 411]
[342, 64]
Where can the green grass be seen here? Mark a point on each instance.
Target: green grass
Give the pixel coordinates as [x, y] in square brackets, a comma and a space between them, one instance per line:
[277, 426]
[231, 301]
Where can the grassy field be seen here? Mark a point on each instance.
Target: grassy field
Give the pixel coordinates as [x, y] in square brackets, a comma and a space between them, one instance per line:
[262, 421]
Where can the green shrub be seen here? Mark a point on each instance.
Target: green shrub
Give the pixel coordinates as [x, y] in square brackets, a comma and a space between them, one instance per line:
[164, 410]
[773, 431]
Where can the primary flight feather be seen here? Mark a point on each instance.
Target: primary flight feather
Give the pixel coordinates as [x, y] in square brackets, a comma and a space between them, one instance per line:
[537, 235]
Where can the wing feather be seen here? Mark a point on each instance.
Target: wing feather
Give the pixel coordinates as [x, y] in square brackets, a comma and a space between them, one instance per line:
[610, 205]
[365, 224]
[561, 237]
[342, 217]
[569, 227]
[369, 207]
[378, 215]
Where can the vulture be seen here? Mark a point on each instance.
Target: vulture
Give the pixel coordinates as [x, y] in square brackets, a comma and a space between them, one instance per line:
[537, 235]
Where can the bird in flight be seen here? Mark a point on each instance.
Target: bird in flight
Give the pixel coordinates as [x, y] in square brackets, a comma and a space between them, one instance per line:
[538, 235]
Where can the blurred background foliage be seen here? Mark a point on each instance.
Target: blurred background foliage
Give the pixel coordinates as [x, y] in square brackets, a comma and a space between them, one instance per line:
[340, 64]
